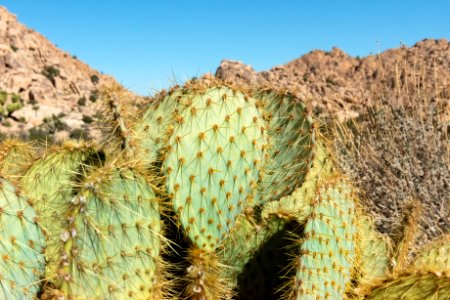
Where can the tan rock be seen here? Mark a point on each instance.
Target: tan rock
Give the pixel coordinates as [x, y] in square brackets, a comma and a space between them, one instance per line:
[25, 55]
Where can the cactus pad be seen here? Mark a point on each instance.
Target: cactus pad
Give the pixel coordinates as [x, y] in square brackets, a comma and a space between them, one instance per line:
[413, 287]
[212, 160]
[292, 134]
[435, 257]
[328, 250]
[111, 239]
[21, 245]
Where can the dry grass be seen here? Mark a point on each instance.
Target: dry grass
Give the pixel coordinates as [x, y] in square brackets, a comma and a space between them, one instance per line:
[398, 151]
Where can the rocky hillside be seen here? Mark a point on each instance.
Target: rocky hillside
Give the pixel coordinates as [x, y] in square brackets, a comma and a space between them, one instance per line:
[43, 90]
[336, 82]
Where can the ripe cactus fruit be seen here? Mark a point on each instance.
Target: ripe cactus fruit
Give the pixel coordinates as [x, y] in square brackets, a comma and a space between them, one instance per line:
[50, 182]
[111, 239]
[435, 257]
[22, 245]
[15, 158]
[328, 249]
[413, 287]
[292, 135]
[212, 162]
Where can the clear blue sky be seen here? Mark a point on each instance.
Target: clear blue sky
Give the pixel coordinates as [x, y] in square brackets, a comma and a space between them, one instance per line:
[144, 44]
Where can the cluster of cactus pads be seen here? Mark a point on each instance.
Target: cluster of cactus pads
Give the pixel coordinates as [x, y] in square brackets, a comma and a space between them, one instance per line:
[215, 168]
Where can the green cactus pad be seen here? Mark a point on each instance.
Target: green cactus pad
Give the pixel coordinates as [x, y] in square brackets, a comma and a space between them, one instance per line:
[328, 250]
[297, 206]
[413, 287]
[373, 253]
[245, 239]
[292, 135]
[21, 246]
[435, 257]
[150, 131]
[212, 161]
[51, 183]
[111, 239]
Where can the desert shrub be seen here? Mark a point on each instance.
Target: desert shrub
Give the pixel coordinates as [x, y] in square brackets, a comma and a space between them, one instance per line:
[95, 79]
[3, 97]
[16, 98]
[39, 135]
[87, 119]
[82, 101]
[397, 154]
[53, 124]
[79, 133]
[50, 72]
[94, 96]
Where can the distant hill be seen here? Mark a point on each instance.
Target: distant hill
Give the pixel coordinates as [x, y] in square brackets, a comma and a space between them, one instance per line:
[46, 91]
[338, 83]
[42, 88]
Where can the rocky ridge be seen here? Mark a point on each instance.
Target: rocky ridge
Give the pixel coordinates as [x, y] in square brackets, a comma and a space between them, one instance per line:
[336, 82]
[44, 90]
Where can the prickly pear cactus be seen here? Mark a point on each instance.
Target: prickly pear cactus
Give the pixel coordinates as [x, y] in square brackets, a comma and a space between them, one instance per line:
[111, 239]
[297, 206]
[292, 136]
[373, 253]
[413, 287]
[22, 245]
[435, 257]
[328, 249]
[51, 183]
[212, 162]
[245, 239]
[150, 131]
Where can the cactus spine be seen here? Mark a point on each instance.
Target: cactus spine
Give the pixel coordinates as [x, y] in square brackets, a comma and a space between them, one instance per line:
[111, 239]
[292, 139]
[22, 245]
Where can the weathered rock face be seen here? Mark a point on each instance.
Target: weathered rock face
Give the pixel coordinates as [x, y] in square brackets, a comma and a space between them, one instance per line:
[57, 91]
[337, 83]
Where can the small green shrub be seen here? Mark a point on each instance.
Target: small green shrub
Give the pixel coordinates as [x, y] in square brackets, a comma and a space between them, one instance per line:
[3, 97]
[95, 79]
[87, 119]
[37, 134]
[15, 98]
[94, 96]
[79, 133]
[50, 72]
[82, 101]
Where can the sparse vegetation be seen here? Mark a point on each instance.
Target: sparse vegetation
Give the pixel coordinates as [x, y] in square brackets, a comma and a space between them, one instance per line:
[51, 72]
[82, 101]
[79, 133]
[39, 135]
[87, 119]
[95, 79]
[54, 124]
[93, 96]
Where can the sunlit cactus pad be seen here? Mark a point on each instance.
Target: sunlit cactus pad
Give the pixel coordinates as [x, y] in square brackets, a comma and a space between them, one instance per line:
[22, 245]
[212, 162]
